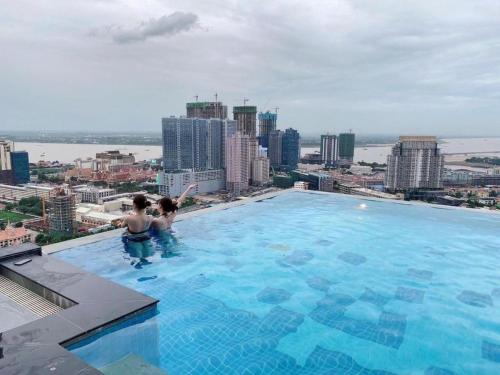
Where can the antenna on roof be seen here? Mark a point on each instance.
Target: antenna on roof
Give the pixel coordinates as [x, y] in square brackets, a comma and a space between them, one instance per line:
[216, 96]
[196, 97]
[245, 100]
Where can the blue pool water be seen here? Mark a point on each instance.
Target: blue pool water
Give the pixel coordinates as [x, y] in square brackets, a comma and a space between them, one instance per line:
[313, 284]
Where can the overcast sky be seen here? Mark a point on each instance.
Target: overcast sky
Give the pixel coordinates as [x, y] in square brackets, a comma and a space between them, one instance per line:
[378, 67]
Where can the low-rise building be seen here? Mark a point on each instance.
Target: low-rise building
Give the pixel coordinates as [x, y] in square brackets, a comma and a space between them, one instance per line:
[15, 193]
[15, 236]
[175, 183]
[89, 194]
[301, 185]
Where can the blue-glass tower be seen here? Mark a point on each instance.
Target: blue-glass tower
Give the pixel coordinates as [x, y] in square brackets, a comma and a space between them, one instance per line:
[20, 167]
[290, 149]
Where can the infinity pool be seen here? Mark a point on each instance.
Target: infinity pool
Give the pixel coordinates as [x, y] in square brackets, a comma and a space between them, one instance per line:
[308, 283]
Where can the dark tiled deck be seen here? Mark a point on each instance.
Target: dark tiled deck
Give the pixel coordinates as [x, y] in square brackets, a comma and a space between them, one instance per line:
[37, 347]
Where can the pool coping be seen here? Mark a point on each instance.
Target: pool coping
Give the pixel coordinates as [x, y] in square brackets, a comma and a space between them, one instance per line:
[39, 346]
[49, 249]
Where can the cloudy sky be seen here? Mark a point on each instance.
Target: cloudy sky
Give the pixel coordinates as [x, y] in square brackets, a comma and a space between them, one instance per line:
[378, 67]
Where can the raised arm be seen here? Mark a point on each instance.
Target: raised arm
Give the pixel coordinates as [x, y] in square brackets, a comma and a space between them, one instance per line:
[184, 195]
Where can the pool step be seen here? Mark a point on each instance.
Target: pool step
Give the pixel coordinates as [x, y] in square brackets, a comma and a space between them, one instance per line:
[131, 364]
[26, 298]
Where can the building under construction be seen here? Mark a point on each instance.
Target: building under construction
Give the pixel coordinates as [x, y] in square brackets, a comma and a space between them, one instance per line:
[267, 124]
[206, 110]
[246, 118]
[61, 208]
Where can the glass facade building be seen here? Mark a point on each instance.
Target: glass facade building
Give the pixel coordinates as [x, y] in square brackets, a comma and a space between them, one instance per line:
[290, 149]
[20, 167]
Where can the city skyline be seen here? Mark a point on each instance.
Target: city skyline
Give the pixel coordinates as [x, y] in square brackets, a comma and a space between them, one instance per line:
[379, 68]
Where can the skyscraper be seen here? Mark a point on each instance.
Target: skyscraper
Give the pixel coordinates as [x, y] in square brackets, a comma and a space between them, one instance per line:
[237, 162]
[329, 149]
[415, 163]
[291, 149]
[192, 144]
[275, 149]
[206, 110]
[267, 124]
[5, 162]
[346, 147]
[246, 117]
[20, 167]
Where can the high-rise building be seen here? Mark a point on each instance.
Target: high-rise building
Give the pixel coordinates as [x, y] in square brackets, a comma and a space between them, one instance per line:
[267, 124]
[329, 149]
[415, 162]
[291, 149]
[20, 167]
[5, 162]
[260, 171]
[246, 117]
[192, 144]
[275, 149]
[62, 212]
[237, 163]
[206, 110]
[346, 147]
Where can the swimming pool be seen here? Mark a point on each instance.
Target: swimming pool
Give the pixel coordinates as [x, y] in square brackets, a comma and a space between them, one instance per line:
[307, 283]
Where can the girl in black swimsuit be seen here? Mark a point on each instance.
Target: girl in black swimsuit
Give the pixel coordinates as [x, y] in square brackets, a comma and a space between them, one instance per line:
[136, 237]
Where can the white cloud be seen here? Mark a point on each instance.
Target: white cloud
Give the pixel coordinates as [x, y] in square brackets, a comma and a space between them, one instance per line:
[166, 25]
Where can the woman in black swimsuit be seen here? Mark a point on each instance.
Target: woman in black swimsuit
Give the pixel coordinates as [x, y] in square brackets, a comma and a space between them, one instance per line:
[136, 237]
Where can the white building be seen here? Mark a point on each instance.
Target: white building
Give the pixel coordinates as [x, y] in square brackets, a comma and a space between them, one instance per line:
[415, 162]
[175, 183]
[301, 185]
[360, 169]
[260, 171]
[89, 194]
[329, 149]
[15, 193]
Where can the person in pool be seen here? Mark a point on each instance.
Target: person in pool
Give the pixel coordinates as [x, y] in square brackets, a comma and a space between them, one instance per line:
[136, 237]
[168, 210]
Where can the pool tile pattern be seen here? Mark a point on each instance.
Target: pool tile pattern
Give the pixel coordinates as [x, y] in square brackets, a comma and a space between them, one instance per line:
[332, 309]
[319, 283]
[323, 362]
[490, 351]
[419, 274]
[410, 295]
[273, 295]
[352, 258]
[438, 371]
[297, 258]
[373, 297]
[495, 293]
[475, 299]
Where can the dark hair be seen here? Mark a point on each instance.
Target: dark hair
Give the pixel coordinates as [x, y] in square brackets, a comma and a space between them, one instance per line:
[167, 205]
[141, 202]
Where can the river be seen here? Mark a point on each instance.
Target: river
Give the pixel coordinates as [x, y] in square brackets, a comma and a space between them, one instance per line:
[67, 153]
